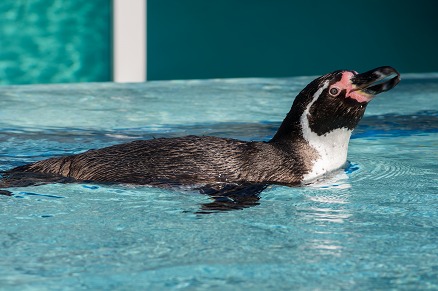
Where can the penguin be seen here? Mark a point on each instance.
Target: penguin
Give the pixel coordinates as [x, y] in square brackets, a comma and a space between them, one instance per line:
[311, 141]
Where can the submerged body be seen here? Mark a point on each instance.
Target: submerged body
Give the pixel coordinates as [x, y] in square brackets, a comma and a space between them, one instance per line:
[312, 140]
[190, 160]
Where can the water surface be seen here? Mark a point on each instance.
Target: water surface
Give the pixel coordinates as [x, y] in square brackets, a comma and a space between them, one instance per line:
[373, 226]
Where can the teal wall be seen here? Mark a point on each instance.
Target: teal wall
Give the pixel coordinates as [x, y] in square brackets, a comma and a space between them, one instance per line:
[55, 41]
[268, 38]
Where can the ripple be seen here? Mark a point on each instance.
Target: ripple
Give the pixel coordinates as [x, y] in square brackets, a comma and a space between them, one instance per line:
[387, 169]
[22, 194]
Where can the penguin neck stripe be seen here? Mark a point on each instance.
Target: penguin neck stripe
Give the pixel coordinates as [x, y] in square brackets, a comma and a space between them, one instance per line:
[304, 120]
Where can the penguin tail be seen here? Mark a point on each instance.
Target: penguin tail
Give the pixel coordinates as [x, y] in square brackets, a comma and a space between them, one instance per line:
[19, 177]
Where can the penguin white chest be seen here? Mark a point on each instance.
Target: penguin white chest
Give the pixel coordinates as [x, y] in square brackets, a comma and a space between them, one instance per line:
[332, 147]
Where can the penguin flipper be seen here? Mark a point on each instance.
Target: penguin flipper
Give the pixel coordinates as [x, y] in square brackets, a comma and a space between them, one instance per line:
[231, 196]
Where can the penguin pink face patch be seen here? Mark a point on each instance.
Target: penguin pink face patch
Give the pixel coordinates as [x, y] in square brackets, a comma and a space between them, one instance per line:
[351, 91]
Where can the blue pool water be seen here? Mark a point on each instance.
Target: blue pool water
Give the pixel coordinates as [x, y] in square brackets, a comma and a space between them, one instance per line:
[373, 226]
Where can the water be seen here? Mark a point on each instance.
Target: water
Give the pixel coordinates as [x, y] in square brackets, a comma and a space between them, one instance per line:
[373, 226]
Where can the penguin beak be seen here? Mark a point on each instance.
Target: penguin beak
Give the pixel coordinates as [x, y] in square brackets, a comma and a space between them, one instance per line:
[376, 81]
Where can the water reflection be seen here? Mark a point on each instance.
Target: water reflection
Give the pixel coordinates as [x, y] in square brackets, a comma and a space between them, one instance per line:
[329, 215]
[326, 213]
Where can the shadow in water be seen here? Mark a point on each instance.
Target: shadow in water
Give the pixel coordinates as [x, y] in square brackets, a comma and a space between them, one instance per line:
[231, 197]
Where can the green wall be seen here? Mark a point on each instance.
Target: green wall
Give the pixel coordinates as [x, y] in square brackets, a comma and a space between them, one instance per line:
[55, 41]
[268, 38]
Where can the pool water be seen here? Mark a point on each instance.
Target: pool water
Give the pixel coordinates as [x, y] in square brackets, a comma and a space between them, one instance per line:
[371, 226]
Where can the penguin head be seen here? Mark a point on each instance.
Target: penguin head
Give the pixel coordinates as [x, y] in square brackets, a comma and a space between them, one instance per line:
[336, 100]
[339, 99]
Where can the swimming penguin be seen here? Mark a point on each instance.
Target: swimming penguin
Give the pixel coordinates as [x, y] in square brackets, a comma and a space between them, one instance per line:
[311, 141]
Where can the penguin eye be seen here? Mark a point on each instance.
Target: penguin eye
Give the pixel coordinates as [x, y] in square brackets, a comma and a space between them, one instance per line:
[334, 91]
